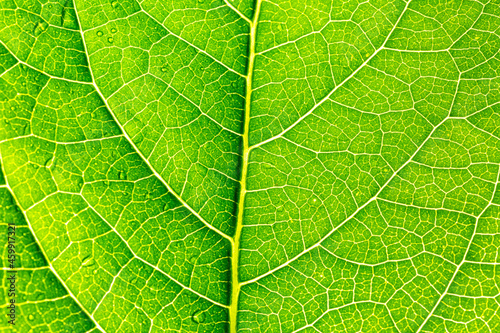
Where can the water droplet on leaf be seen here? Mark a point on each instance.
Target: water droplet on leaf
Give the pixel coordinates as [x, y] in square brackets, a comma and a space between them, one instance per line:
[110, 39]
[114, 4]
[88, 261]
[164, 69]
[113, 30]
[122, 175]
[193, 259]
[198, 316]
[31, 317]
[79, 183]
[40, 28]
[99, 34]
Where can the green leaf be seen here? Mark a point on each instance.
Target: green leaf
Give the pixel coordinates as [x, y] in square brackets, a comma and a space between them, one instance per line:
[251, 166]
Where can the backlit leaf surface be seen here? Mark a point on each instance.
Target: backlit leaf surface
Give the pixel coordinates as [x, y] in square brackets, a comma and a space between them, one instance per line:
[251, 166]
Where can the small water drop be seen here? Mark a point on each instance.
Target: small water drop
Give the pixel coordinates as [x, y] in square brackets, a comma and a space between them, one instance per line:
[88, 261]
[12, 108]
[164, 69]
[48, 162]
[110, 39]
[114, 4]
[166, 207]
[198, 316]
[67, 19]
[192, 260]
[113, 30]
[79, 183]
[122, 175]
[99, 33]
[40, 28]
[31, 317]
[94, 271]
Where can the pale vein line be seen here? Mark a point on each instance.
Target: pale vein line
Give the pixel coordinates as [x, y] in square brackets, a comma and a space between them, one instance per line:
[353, 214]
[111, 285]
[189, 100]
[208, 225]
[146, 262]
[327, 97]
[192, 45]
[466, 251]
[38, 69]
[471, 26]
[445, 292]
[43, 251]
[235, 249]
[45, 300]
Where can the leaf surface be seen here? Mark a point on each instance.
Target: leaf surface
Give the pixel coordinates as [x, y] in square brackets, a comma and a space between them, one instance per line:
[268, 166]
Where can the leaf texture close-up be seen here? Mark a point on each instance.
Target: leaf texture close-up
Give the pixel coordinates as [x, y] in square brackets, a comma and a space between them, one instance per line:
[250, 165]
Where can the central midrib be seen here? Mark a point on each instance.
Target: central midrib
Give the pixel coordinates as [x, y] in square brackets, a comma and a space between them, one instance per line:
[235, 252]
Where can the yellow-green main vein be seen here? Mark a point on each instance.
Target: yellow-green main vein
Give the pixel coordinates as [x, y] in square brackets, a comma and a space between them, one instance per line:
[235, 253]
